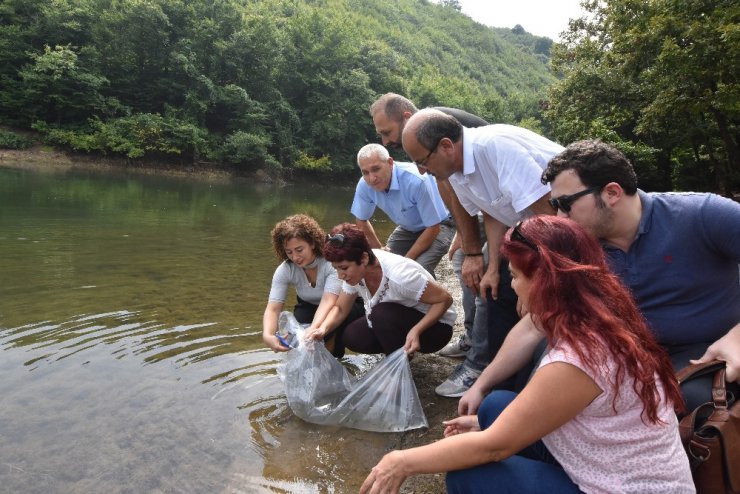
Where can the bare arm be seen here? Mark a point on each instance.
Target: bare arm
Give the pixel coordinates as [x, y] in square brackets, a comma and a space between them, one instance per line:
[328, 300]
[726, 348]
[439, 301]
[557, 393]
[516, 351]
[467, 230]
[372, 237]
[270, 326]
[334, 318]
[423, 242]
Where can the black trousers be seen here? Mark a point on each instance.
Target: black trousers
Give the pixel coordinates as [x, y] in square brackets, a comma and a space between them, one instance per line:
[502, 316]
[391, 323]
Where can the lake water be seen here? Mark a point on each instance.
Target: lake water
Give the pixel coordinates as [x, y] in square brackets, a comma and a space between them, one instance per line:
[130, 340]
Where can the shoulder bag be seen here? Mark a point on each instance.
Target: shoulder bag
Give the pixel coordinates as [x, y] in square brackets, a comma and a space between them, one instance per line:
[711, 434]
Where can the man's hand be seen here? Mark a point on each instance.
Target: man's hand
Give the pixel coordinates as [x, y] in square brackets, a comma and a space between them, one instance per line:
[472, 272]
[727, 349]
[490, 281]
[470, 401]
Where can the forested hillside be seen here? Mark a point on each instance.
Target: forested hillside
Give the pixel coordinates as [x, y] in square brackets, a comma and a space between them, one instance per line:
[661, 79]
[272, 84]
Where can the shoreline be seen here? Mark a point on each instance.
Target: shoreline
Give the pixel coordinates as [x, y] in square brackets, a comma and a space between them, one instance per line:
[44, 159]
[429, 370]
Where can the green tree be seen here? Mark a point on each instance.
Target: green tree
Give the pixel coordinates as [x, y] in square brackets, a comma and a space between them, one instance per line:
[659, 78]
[60, 89]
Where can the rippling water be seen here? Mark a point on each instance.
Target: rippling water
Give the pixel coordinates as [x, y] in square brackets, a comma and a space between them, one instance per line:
[130, 347]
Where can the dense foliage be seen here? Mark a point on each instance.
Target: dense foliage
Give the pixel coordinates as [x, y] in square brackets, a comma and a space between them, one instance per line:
[276, 84]
[662, 79]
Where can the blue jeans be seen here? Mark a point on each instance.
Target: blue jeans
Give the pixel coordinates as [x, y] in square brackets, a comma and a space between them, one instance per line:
[475, 309]
[532, 470]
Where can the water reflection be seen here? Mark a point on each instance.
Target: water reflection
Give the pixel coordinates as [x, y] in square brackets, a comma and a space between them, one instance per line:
[130, 340]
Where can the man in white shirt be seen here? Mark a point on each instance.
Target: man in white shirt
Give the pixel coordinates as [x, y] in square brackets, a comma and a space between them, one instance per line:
[494, 170]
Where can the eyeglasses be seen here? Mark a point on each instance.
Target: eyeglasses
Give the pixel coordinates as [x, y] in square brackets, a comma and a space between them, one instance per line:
[563, 203]
[517, 236]
[337, 240]
[422, 163]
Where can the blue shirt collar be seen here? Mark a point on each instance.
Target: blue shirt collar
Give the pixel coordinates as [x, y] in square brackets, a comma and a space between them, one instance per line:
[647, 212]
[394, 179]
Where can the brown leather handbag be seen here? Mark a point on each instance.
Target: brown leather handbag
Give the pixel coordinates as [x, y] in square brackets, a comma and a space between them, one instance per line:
[711, 434]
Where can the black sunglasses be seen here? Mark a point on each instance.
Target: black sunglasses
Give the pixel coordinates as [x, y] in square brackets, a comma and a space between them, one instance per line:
[337, 240]
[517, 236]
[563, 203]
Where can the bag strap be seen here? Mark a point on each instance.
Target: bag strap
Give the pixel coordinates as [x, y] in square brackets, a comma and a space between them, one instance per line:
[719, 390]
[696, 370]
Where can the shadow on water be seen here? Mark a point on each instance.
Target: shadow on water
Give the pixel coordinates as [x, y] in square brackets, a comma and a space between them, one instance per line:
[130, 341]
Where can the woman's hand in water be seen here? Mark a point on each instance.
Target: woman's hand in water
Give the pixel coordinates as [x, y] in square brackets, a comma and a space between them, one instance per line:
[314, 333]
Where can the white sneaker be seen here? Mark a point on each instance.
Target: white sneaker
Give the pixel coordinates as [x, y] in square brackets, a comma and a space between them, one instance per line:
[457, 347]
[459, 382]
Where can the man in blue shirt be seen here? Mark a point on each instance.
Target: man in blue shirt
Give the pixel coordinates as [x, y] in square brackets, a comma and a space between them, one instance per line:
[677, 252]
[411, 200]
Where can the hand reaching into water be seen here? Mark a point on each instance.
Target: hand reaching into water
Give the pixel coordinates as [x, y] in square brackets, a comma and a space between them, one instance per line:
[274, 343]
[313, 333]
[387, 476]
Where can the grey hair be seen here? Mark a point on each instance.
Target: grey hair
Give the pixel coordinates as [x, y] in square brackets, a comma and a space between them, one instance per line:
[371, 150]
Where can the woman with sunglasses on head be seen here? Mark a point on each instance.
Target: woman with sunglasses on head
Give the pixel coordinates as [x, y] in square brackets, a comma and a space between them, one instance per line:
[297, 241]
[404, 305]
[598, 414]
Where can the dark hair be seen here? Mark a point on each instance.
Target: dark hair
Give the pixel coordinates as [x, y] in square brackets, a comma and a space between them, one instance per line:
[393, 105]
[435, 126]
[596, 164]
[353, 244]
[299, 226]
[578, 301]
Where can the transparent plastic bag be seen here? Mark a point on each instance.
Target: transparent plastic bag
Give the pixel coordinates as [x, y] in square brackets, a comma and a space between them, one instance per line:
[321, 391]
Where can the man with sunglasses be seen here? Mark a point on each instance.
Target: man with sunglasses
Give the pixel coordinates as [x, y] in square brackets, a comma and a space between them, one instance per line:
[677, 252]
[494, 170]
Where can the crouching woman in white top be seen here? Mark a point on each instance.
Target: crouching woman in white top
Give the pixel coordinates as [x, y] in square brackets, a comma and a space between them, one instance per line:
[404, 305]
[597, 415]
[297, 241]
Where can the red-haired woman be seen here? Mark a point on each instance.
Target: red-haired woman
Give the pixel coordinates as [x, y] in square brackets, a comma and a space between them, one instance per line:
[597, 415]
[404, 305]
